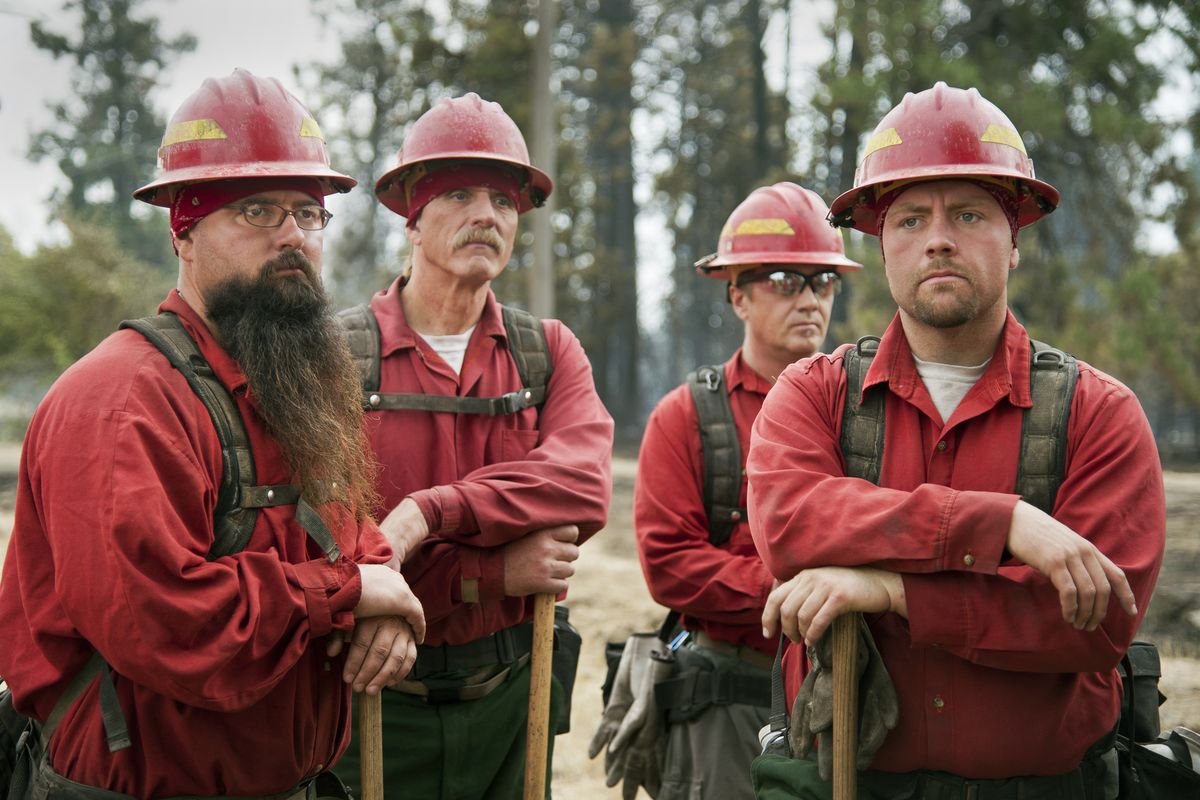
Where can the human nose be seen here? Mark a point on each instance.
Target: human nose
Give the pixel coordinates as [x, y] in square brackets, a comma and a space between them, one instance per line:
[482, 210]
[940, 241]
[290, 234]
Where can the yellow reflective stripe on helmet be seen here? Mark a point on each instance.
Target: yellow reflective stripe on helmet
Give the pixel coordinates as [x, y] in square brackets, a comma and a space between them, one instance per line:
[192, 131]
[775, 225]
[882, 139]
[309, 127]
[999, 134]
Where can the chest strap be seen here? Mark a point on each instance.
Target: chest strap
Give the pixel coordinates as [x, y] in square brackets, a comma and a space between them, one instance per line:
[526, 343]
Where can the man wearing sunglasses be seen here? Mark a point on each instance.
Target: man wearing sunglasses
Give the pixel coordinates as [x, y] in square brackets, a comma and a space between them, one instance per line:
[192, 547]
[783, 265]
[1001, 590]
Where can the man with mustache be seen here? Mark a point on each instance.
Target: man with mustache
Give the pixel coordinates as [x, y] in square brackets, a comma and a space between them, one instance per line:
[491, 478]
[783, 266]
[162, 657]
[1000, 613]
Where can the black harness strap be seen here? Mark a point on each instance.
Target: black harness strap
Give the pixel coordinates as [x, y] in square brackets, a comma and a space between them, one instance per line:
[723, 473]
[526, 343]
[1042, 461]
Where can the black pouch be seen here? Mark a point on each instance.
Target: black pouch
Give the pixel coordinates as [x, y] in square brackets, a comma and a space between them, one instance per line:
[612, 657]
[567, 644]
[1141, 696]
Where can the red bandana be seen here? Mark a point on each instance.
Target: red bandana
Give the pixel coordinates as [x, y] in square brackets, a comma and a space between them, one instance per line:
[459, 175]
[195, 201]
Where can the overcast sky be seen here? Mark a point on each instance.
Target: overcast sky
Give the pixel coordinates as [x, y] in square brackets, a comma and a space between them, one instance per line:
[267, 38]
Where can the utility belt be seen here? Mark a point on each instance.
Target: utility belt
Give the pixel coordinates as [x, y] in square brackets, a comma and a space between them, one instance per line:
[708, 673]
[1089, 781]
[49, 785]
[473, 670]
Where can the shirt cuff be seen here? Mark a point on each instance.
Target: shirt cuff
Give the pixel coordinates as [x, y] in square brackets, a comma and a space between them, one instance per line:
[331, 592]
[975, 529]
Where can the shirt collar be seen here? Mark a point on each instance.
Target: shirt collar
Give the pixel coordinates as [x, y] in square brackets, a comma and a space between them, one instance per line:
[226, 369]
[1006, 375]
[738, 374]
[395, 332]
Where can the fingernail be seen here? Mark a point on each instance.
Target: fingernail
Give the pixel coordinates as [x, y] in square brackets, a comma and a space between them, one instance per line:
[1134, 609]
[766, 634]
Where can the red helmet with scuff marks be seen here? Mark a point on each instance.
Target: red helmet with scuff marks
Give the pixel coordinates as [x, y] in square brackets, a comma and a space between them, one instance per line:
[938, 134]
[780, 224]
[241, 126]
[457, 129]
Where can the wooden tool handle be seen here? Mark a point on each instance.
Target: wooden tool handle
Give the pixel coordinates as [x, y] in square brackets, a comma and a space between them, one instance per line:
[538, 736]
[370, 746]
[845, 706]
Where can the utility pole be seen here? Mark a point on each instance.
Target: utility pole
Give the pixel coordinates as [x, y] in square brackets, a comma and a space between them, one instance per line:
[545, 152]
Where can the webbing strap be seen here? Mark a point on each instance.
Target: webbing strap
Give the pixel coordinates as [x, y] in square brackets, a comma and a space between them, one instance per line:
[115, 730]
[1042, 461]
[722, 452]
[1040, 471]
[526, 343]
[862, 423]
[317, 530]
[779, 713]
[238, 498]
[693, 690]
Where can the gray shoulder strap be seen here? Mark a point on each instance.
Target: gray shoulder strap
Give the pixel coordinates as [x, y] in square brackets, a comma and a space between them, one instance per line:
[1042, 465]
[362, 333]
[529, 349]
[722, 452]
[862, 424]
[527, 344]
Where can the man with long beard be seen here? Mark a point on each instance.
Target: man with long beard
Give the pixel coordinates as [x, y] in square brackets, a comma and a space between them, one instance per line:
[170, 642]
[515, 453]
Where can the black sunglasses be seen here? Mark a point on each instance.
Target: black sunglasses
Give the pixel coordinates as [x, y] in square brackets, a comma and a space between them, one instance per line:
[787, 282]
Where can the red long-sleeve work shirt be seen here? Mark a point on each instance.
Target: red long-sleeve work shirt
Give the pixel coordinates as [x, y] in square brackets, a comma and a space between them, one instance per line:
[991, 681]
[219, 666]
[483, 482]
[719, 590]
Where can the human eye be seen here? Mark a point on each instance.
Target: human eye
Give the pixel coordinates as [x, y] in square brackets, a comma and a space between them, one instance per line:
[969, 217]
[504, 201]
[308, 213]
[909, 223]
[256, 211]
[457, 194]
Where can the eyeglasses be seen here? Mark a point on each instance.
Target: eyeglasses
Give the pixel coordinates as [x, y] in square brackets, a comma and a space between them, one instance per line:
[262, 214]
[786, 282]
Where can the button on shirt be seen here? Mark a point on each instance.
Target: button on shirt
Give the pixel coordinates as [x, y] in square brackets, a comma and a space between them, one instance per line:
[991, 681]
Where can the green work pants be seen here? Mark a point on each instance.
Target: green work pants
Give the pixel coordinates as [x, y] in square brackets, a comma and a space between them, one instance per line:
[465, 750]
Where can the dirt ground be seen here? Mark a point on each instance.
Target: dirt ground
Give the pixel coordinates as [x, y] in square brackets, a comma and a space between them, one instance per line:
[608, 601]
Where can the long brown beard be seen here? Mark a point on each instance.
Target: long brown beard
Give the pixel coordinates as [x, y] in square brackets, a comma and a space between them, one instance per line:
[296, 360]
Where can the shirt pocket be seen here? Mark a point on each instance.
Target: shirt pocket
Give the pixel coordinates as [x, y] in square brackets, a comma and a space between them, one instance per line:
[515, 444]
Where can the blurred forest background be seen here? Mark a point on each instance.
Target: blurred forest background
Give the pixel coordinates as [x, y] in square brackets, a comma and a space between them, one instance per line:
[668, 113]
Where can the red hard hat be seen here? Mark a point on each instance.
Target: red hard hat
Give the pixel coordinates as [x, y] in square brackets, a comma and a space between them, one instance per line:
[941, 133]
[241, 126]
[466, 127]
[780, 224]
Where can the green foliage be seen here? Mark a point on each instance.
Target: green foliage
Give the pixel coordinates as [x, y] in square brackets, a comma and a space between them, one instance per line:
[59, 303]
[105, 138]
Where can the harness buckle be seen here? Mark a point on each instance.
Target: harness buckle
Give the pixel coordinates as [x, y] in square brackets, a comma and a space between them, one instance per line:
[516, 401]
[712, 380]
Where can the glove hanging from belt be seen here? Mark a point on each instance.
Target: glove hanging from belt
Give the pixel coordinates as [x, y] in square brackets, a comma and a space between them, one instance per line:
[812, 711]
[631, 731]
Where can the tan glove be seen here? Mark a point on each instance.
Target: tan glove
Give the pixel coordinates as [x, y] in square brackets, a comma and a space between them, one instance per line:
[641, 741]
[812, 711]
[635, 659]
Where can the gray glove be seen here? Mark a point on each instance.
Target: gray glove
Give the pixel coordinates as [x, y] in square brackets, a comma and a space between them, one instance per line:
[635, 659]
[641, 740]
[812, 712]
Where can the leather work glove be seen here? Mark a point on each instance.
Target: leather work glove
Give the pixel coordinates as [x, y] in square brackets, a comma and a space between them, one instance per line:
[635, 659]
[812, 712]
[641, 740]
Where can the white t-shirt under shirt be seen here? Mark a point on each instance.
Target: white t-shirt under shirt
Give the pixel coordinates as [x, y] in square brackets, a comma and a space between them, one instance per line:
[452, 347]
[948, 384]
